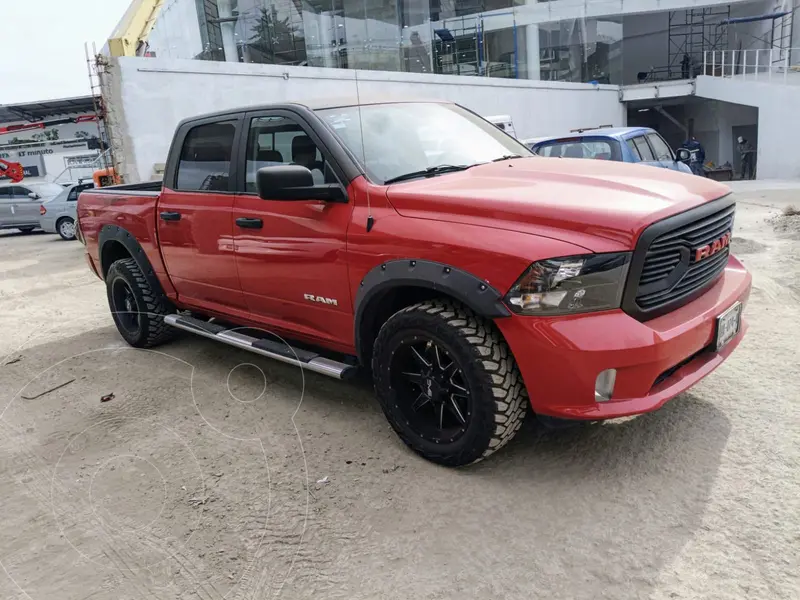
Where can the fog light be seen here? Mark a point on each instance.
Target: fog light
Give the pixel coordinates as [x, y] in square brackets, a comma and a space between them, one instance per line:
[604, 385]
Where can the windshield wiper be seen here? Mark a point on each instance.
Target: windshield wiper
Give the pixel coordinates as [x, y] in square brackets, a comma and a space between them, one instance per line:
[507, 157]
[429, 172]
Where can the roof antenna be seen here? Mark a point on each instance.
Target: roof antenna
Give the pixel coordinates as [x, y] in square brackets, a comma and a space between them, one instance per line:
[370, 220]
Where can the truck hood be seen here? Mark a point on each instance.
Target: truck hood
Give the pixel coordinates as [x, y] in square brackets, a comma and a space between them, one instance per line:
[600, 205]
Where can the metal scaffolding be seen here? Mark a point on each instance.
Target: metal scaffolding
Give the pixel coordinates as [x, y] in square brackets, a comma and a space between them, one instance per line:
[691, 34]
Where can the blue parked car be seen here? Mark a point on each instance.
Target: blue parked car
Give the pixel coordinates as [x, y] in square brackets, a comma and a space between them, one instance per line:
[627, 144]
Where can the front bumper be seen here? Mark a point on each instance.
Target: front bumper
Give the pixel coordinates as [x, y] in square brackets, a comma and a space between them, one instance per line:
[560, 357]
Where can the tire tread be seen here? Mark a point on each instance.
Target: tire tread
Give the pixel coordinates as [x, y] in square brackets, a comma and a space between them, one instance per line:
[156, 305]
[494, 359]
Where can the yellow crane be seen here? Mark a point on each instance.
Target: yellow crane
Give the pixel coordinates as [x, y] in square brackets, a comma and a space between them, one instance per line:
[130, 36]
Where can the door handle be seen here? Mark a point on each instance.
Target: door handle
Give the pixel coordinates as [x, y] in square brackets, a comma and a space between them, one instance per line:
[170, 216]
[249, 223]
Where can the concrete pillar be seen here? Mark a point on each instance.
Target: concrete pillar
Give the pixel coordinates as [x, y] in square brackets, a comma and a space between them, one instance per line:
[725, 135]
[228, 29]
[532, 53]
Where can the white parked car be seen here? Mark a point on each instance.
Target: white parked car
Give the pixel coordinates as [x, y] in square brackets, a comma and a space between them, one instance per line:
[58, 215]
[19, 204]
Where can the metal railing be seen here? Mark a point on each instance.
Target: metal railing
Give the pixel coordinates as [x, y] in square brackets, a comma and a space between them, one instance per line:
[772, 65]
[84, 171]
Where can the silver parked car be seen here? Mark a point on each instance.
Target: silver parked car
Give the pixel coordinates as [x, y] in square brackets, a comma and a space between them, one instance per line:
[58, 215]
[19, 204]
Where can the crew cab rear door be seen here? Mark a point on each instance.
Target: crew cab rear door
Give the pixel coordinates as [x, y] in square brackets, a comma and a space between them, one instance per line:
[291, 255]
[194, 214]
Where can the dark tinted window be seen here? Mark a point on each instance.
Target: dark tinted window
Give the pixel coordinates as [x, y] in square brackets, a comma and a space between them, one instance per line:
[5, 192]
[75, 192]
[643, 148]
[205, 160]
[278, 141]
[19, 191]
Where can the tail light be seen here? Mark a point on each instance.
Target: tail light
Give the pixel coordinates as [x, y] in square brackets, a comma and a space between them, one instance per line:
[42, 210]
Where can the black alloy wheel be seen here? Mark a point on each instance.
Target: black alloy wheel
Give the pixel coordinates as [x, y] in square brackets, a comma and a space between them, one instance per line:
[447, 382]
[125, 307]
[137, 308]
[432, 392]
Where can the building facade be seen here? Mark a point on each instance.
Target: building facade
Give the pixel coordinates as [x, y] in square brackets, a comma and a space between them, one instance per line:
[556, 40]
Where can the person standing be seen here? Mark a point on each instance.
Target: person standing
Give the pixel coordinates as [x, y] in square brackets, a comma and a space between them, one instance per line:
[686, 65]
[419, 61]
[748, 155]
[697, 156]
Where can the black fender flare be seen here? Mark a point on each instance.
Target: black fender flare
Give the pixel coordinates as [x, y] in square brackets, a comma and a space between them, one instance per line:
[465, 287]
[115, 233]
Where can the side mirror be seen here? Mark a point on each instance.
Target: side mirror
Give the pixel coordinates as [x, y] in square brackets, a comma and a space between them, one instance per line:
[34, 196]
[294, 182]
[683, 154]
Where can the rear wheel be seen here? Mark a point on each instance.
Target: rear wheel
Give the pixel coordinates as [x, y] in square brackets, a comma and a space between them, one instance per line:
[448, 383]
[66, 228]
[137, 309]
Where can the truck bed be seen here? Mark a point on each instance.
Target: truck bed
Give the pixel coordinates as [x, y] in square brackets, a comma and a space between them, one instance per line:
[121, 213]
[145, 186]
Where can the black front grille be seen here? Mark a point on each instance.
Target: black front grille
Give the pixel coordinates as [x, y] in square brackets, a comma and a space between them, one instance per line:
[665, 273]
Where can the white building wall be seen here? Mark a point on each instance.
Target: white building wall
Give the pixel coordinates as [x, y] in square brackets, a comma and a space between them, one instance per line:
[150, 96]
[778, 122]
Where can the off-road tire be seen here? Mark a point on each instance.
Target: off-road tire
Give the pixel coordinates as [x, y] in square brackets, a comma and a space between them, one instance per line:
[151, 306]
[499, 395]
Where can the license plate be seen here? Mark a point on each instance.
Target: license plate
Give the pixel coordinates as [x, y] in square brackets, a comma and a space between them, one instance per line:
[728, 324]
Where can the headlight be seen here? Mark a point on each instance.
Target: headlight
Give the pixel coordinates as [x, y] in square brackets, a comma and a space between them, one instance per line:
[573, 284]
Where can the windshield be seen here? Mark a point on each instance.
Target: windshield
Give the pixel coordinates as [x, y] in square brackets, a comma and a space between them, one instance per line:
[45, 190]
[404, 138]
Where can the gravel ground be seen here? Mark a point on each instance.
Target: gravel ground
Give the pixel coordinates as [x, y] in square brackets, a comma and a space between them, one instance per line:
[213, 473]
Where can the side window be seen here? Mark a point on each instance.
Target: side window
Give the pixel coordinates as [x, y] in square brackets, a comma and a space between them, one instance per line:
[281, 141]
[636, 156]
[19, 192]
[205, 159]
[73, 194]
[643, 148]
[5, 193]
[660, 147]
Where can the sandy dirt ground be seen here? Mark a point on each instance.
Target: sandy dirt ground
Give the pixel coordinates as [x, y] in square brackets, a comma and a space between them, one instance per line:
[213, 473]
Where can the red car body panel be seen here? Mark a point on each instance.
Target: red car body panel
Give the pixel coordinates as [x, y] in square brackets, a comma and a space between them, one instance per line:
[492, 221]
[198, 250]
[301, 249]
[564, 355]
[600, 205]
[134, 213]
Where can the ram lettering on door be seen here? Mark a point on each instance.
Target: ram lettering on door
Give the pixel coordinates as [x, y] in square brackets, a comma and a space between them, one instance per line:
[321, 299]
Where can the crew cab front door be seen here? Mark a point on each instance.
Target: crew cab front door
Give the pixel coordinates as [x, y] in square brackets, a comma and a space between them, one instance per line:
[194, 218]
[291, 255]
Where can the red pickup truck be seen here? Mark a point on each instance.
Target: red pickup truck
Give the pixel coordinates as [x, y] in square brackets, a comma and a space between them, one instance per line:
[418, 241]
